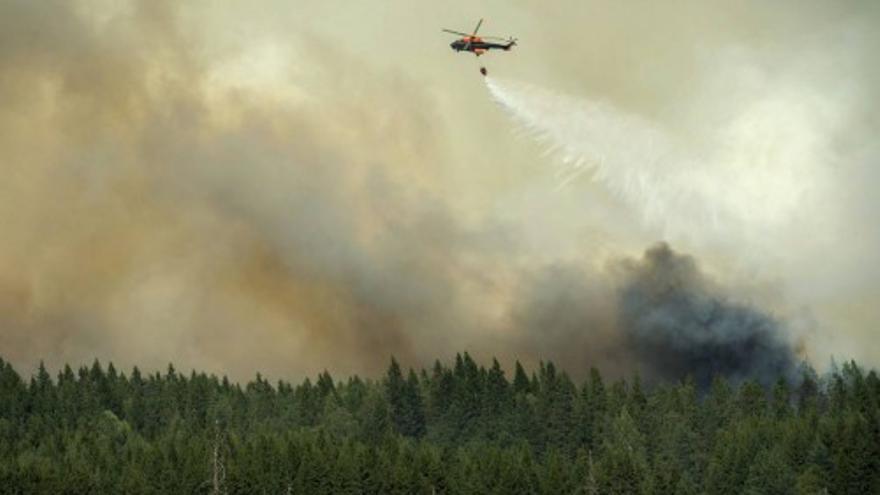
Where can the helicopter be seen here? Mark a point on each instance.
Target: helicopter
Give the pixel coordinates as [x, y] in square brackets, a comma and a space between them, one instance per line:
[478, 44]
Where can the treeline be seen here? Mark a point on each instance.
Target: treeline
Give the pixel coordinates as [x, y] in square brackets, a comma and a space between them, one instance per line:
[462, 428]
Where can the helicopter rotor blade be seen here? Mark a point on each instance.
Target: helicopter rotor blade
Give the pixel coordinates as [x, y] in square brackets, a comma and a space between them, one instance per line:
[455, 32]
[478, 27]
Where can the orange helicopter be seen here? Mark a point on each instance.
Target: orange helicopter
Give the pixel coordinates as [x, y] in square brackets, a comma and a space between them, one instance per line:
[478, 44]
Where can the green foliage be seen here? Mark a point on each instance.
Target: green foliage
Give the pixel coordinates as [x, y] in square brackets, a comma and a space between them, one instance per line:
[458, 429]
[623, 465]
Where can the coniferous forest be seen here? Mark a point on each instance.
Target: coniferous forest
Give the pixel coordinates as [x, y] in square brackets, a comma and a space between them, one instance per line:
[456, 428]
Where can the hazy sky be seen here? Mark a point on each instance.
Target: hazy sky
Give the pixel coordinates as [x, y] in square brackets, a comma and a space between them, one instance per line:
[289, 186]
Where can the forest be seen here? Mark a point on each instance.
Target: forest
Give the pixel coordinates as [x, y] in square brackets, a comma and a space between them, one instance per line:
[455, 428]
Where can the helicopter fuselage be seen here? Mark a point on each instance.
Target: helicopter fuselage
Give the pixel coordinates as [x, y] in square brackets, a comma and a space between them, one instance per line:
[478, 46]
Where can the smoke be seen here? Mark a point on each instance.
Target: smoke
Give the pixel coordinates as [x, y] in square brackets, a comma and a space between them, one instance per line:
[678, 323]
[157, 207]
[660, 314]
[246, 189]
[752, 168]
[669, 318]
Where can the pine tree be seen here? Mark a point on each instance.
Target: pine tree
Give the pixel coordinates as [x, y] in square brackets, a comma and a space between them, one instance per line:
[808, 391]
[854, 455]
[770, 474]
[781, 402]
[415, 409]
[623, 466]
[405, 401]
[597, 407]
[497, 403]
[376, 418]
[751, 400]
[521, 384]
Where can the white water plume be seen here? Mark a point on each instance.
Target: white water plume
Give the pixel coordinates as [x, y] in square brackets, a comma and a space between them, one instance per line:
[745, 179]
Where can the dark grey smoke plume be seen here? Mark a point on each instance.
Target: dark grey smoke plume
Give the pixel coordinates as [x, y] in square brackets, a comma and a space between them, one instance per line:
[677, 324]
[659, 314]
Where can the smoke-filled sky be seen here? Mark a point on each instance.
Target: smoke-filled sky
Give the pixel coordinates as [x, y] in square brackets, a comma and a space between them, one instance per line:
[292, 186]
